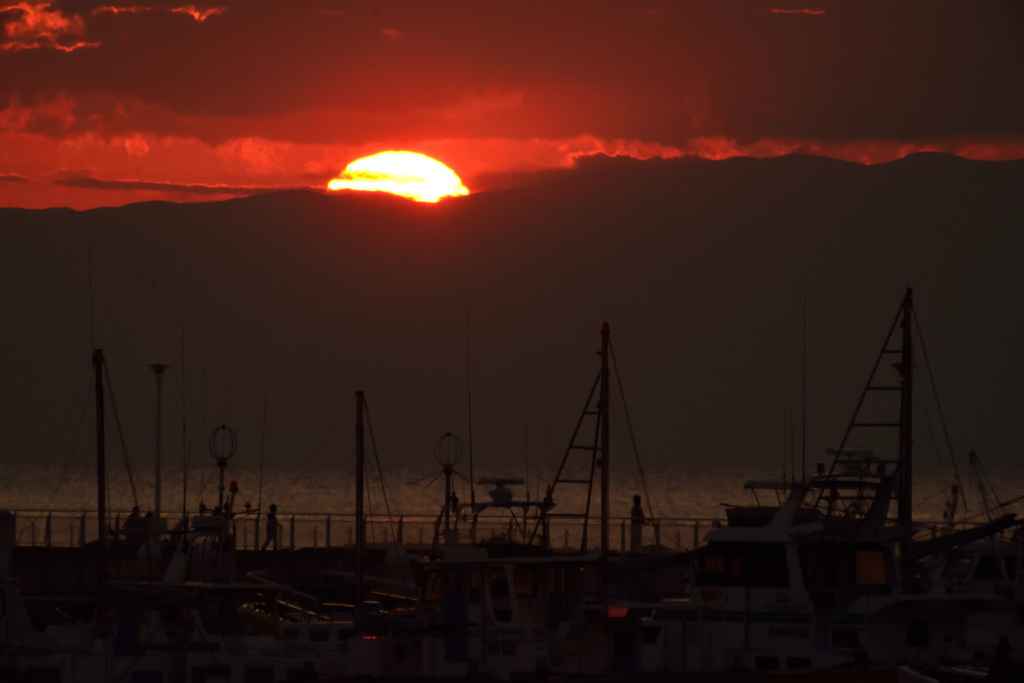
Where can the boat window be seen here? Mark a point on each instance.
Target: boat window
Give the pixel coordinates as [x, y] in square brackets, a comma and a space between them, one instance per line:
[41, 675]
[870, 568]
[474, 585]
[262, 674]
[3, 603]
[988, 568]
[432, 587]
[525, 584]
[498, 582]
[556, 581]
[761, 565]
[766, 565]
[917, 634]
[453, 581]
[960, 568]
[720, 569]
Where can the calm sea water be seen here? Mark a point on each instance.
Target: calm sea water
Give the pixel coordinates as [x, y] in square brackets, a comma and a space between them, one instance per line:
[675, 496]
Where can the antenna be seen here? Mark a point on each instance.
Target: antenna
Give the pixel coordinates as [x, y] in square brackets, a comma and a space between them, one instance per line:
[184, 436]
[158, 370]
[526, 431]
[469, 411]
[803, 395]
[92, 312]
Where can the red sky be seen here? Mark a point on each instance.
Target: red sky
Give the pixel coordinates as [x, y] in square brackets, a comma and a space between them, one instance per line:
[106, 104]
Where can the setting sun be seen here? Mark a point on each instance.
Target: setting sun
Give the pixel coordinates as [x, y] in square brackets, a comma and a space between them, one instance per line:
[408, 174]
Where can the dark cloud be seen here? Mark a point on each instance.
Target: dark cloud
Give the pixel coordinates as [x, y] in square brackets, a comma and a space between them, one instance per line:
[671, 70]
[192, 189]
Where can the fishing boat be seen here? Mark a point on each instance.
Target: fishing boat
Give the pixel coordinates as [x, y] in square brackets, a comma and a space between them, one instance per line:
[825, 581]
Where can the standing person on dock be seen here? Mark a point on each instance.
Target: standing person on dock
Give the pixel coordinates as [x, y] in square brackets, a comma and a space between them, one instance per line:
[272, 528]
[636, 526]
[135, 527]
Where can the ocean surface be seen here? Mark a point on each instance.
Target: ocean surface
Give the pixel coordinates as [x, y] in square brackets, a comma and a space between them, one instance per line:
[317, 504]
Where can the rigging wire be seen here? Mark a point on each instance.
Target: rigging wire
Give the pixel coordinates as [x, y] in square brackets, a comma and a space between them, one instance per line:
[380, 472]
[83, 398]
[263, 441]
[184, 437]
[469, 411]
[83, 401]
[629, 428]
[120, 433]
[935, 394]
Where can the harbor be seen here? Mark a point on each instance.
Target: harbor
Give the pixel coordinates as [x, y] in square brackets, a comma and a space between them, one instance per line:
[826, 578]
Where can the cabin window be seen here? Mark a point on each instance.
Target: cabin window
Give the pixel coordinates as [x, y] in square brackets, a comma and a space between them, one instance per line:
[766, 663]
[556, 581]
[38, 675]
[960, 568]
[526, 586]
[798, 663]
[767, 566]
[501, 604]
[432, 587]
[212, 672]
[761, 565]
[649, 634]
[319, 635]
[261, 674]
[917, 634]
[988, 568]
[142, 677]
[498, 582]
[453, 581]
[3, 603]
[870, 568]
[720, 569]
[474, 585]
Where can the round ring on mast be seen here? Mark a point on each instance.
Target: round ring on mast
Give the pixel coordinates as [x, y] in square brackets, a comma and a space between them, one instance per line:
[448, 450]
[225, 446]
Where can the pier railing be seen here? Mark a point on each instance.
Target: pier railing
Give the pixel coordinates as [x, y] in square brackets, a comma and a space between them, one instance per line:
[74, 528]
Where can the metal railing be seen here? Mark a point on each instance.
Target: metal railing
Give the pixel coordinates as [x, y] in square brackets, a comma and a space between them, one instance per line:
[76, 528]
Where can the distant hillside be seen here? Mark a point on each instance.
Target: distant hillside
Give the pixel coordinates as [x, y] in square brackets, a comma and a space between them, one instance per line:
[284, 304]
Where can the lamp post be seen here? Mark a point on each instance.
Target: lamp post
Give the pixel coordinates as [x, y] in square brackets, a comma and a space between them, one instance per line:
[158, 370]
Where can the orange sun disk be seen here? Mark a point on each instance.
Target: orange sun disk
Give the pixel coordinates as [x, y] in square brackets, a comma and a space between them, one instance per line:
[408, 174]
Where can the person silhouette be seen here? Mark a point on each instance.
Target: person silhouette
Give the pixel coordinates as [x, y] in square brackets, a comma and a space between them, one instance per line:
[135, 527]
[272, 528]
[636, 526]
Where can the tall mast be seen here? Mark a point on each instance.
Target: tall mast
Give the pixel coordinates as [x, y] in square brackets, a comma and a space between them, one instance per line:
[605, 331]
[905, 512]
[360, 523]
[158, 370]
[101, 473]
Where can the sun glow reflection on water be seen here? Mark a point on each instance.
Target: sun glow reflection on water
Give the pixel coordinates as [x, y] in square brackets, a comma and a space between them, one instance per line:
[673, 492]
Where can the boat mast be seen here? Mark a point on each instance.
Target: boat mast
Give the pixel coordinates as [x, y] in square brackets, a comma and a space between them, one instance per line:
[360, 524]
[905, 512]
[604, 419]
[101, 473]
